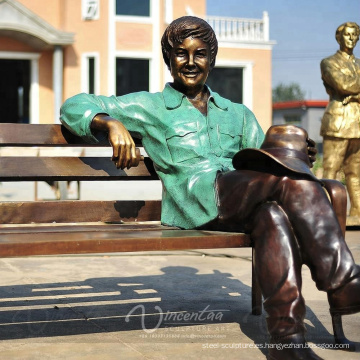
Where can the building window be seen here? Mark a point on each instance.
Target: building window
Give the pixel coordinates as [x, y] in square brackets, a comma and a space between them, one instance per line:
[90, 9]
[131, 75]
[90, 73]
[133, 7]
[293, 119]
[228, 82]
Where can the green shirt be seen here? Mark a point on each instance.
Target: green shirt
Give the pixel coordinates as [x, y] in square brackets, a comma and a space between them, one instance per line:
[188, 148]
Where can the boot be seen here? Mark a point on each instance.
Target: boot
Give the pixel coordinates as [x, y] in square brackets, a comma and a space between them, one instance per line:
[344, 300]
[278, 270]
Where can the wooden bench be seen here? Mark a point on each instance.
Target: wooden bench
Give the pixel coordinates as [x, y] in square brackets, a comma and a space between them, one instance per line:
[79, 227]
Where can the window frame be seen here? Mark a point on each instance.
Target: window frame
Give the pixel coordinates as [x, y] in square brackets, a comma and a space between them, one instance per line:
[85, 72]
[133, 57]
[239, 99]
[248, 87]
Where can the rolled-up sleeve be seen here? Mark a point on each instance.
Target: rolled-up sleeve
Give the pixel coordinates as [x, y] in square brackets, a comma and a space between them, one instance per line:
[133, 110]
[77, 112]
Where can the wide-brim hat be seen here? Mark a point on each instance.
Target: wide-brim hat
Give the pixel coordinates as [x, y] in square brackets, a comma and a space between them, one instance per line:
[284, 145]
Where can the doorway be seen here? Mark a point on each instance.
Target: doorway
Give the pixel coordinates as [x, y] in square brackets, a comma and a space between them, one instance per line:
[14, 90]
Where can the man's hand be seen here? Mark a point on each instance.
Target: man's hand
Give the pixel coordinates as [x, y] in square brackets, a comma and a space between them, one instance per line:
[124, 154]
[349, 98]
[311, 151]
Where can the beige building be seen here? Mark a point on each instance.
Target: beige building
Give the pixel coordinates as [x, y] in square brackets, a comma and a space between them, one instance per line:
[51, 50]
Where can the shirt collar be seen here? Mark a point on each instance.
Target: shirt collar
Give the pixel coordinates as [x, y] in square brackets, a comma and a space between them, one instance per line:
[174, 98]
[347, 56]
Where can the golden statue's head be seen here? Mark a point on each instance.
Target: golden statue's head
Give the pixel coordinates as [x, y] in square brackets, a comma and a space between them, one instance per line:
[342, 27]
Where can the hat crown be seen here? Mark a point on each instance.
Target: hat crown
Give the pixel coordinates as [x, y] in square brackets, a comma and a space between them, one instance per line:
[287, 140]
[285, 146]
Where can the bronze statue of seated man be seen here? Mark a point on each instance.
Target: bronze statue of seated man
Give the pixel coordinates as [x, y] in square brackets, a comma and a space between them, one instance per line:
[200, 145]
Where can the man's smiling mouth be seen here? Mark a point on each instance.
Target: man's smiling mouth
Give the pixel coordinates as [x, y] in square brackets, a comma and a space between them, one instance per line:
[190, 74]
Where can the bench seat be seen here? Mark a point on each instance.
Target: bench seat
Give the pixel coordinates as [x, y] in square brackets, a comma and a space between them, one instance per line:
[95, 238]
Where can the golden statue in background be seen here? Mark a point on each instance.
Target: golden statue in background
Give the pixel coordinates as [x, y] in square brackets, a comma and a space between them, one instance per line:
[340, 125]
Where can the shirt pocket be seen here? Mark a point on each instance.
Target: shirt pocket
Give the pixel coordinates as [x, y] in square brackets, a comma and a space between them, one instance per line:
[183, 142]
[229, 140]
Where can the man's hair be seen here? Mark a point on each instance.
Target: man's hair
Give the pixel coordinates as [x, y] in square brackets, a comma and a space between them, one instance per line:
[341, 28]
[184, 27]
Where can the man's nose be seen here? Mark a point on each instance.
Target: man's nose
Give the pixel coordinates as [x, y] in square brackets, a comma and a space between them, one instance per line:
[191, 60]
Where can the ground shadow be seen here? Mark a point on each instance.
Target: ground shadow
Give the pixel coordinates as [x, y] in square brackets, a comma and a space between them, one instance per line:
[181, 298]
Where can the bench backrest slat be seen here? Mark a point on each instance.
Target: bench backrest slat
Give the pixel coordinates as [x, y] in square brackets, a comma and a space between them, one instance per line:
[70, 168]
[72, 211]
[42, 135]
[37, 135]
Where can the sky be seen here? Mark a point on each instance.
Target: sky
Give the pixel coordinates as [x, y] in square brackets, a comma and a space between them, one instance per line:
[304, 32]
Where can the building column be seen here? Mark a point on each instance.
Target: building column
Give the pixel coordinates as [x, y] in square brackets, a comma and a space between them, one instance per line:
[266, 23]
[34, 111]
[57, 81]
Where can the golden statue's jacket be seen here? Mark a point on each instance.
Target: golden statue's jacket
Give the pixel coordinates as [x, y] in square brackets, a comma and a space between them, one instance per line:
[341, 76]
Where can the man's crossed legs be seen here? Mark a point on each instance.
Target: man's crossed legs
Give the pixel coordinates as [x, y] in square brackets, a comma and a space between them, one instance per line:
[291, 222]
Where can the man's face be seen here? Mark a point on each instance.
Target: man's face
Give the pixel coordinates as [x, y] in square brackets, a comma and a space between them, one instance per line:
[348, 38]
[190, 64]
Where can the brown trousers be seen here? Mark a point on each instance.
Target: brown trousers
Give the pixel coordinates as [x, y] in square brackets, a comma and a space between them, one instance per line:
[291, 222]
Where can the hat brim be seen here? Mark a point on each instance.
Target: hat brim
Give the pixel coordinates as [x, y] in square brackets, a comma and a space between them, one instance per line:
[261, 160]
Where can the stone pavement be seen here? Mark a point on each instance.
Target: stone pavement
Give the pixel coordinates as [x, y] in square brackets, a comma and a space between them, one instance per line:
[173, 305]
[169, 305]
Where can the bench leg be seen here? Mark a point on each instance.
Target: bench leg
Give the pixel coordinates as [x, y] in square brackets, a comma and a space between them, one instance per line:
[256, 297]
[63, 190]
[78, 190]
